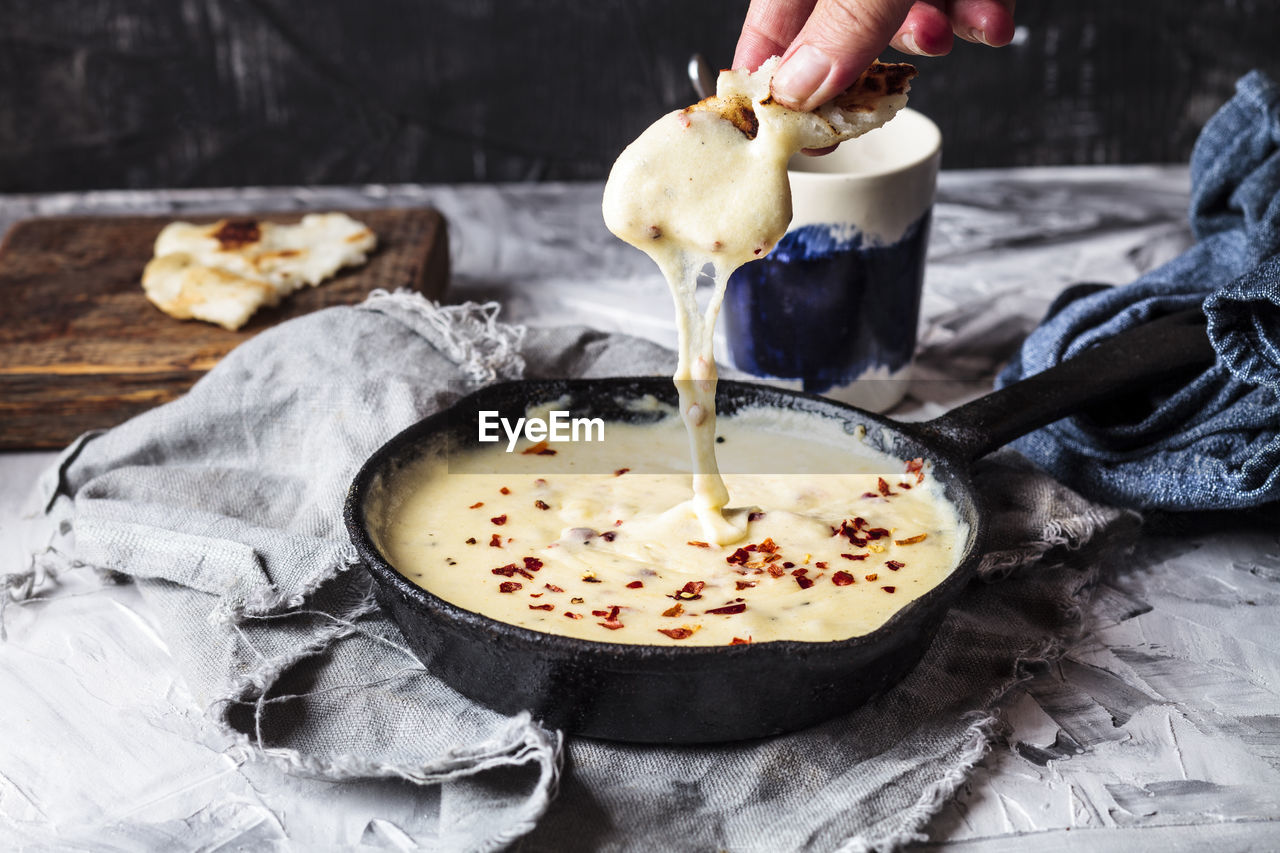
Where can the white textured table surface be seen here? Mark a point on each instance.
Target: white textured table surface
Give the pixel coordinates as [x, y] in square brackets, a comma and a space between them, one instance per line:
[1160, 730]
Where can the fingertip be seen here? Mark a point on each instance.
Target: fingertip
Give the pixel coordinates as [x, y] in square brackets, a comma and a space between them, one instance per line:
[927, 30]
[926, 41]
[988, 22]
[998, 30]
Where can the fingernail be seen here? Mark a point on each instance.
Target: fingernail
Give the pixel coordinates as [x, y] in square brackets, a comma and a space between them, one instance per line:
[979, 36]
[910, 44]
[798, 82]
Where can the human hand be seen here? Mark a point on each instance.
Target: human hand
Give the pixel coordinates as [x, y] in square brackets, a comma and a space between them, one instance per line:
[826, 44]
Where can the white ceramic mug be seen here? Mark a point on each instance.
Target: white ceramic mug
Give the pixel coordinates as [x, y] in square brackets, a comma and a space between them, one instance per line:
[833, 309]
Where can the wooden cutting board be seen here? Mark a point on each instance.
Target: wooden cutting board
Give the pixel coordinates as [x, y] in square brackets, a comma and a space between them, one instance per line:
[82, 348]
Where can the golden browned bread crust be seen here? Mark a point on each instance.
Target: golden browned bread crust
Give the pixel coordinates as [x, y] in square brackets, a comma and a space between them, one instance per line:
[874, 98]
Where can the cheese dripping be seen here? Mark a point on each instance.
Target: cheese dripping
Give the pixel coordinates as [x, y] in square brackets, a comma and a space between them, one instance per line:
[697, 189]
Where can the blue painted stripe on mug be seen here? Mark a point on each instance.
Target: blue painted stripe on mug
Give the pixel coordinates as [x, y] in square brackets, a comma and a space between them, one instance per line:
[827, 305]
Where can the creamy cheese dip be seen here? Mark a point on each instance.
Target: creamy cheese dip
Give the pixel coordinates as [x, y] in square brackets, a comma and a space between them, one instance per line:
[621, 556]
[827, 544]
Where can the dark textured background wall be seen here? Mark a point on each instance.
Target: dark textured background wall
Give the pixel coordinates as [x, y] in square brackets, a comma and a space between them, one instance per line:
[142, 93]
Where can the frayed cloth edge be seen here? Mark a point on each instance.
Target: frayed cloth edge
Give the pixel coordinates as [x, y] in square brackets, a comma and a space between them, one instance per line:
[470, 334]
[518, 742]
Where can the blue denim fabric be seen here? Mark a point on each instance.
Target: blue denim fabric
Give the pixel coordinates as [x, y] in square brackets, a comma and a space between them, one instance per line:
[1214, 443]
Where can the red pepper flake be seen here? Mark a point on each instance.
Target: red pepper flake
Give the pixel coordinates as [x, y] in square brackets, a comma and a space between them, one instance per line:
[601, 613]
[618, 523]
[893, 565]
[609, 535]
[842, 579]
[539, 449]
[820, 564]
[850, 530]
[575, 600]
[877, 533]
[777, 571]
[677, 633]
[872, 576]
[767, 547]
[870, 495]
[476, 505]
[916, 466]
[471, 541]
[591, 579]
[620, 472]
[804, 582]
[569, 615]
[611, 624]
[635, 585]
[739, 557]
[913, 540]
[674, 610]
[755, 516]
[508, 570]
[542, 607]
[883, 486]
[695, 543]
[738, 641]
[746, 584]
[553, 587]
[539, 482]
[691, 591]
[540, 504]
[799, 573]
[854, 556]
[499, 519]
[888, 588]
[509, 586]
[727, 610]
[504, 490]
[788, 565]
[904, 485]
[495, 541]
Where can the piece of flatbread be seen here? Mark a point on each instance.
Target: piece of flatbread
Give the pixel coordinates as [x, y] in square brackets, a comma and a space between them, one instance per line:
[874, 98]
[222, 273]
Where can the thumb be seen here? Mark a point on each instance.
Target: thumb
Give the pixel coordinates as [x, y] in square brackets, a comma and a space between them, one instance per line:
[837, 43]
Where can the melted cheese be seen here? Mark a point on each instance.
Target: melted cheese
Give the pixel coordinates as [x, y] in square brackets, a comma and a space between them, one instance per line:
[693, 191]
[547, 543]
[708, 187]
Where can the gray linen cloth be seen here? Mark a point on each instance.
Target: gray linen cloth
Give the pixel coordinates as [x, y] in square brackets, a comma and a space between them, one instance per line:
[224, 507]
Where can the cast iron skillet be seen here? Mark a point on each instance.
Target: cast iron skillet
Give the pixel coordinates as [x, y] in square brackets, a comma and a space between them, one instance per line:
[702, 694]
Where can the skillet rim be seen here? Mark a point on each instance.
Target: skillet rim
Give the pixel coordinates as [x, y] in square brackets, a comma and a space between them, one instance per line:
[384, 572]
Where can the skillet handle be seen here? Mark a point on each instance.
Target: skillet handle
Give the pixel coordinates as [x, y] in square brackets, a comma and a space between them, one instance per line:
[1127, 362]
